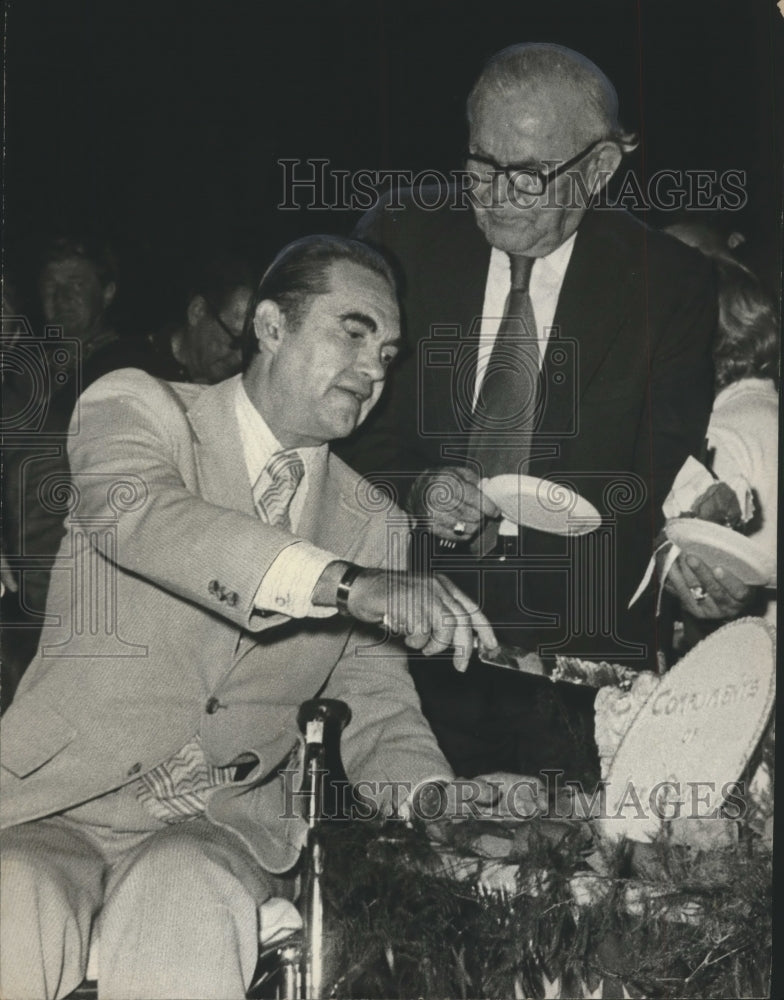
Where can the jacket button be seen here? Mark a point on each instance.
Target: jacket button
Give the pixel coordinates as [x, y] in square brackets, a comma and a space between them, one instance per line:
[213, 587]
[135, 769]
[212, 706]
[232, 598]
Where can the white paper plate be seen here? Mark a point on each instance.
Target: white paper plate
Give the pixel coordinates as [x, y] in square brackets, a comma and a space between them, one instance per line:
[718, 545]
[542, 504]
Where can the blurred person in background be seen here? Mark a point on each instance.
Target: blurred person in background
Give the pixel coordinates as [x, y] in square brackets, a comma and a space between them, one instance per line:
[76, 286]
[13, 327]
[742, 434]
[205, 347]
[72, 285]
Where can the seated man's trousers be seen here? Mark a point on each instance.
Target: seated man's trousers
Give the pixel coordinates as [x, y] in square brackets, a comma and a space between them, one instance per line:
[175, 906]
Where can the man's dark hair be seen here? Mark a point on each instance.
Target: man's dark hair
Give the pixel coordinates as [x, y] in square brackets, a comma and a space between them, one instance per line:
[300, 271]
[219, 277]
[92, 249]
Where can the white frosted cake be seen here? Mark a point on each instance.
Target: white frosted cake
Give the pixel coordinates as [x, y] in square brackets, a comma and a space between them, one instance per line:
[677, 747]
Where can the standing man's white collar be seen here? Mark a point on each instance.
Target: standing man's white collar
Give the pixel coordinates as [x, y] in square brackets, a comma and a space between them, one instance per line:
[547, 278]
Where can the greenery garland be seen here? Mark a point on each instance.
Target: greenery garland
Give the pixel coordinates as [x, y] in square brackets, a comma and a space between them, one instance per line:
[402, 926]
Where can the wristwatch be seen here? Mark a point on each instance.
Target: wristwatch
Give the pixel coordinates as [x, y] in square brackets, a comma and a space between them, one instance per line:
[344, 589]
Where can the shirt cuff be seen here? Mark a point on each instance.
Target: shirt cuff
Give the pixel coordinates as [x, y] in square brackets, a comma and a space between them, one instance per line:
[287, 586]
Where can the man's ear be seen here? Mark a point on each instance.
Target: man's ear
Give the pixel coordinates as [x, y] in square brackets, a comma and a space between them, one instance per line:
[197, 307]
[269, 324]
[109, 292]
[178, 346]
[602, 168]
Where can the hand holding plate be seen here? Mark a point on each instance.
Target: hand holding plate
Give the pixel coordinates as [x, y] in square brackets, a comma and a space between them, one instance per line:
[711, 593]
[450, 500]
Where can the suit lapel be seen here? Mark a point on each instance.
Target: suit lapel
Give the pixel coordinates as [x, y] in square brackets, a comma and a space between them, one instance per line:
[460, 263]
[592, 308]
[222, 472]
[332, 516]
[468, 297]
[223, 478]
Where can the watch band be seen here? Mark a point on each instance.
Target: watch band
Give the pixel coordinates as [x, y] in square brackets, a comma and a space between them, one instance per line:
[344, 589]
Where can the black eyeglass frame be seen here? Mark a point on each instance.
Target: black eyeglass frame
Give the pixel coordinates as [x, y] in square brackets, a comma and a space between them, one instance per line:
[235, 339]
[544, 177]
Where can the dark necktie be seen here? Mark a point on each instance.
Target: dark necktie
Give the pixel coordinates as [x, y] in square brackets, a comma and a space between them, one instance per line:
[505, 411]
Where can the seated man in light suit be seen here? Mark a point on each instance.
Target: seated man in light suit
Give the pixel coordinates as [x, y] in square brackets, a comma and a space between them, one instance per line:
[139, 756]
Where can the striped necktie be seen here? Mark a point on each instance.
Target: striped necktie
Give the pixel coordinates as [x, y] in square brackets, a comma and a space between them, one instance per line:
[506, 407]
[276, 486]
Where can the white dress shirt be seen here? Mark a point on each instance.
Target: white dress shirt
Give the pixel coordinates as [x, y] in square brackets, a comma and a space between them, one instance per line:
[547, 277]
[287, 586]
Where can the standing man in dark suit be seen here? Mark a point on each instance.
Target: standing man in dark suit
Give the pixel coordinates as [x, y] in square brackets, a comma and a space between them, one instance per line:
[552, 339]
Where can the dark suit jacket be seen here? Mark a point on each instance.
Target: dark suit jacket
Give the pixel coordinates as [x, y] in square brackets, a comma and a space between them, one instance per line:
[627, 379]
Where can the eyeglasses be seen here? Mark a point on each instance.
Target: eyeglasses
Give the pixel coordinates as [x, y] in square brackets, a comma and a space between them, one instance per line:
[235, 339]
[523, 178]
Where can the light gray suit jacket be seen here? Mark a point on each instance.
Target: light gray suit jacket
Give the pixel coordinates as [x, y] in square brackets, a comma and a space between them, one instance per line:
[152, 599]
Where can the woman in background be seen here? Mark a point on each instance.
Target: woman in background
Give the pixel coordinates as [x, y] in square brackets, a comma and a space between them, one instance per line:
[744, 423]
[743, 429]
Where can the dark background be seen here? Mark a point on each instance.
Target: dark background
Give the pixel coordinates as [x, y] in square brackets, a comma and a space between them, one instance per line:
[161, 122]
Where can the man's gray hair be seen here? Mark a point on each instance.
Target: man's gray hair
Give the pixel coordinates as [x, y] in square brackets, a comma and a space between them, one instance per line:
[542, 64]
